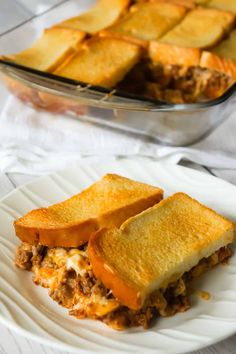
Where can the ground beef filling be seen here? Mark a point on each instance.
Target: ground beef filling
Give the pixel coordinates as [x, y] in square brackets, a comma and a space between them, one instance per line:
[68, 275]
[175, 84]
[27, 255]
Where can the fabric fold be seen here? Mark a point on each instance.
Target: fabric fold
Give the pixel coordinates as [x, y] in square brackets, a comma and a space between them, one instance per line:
[34, 142]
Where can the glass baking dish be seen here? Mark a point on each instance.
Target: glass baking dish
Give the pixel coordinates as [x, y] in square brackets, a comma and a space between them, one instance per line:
[171, 124]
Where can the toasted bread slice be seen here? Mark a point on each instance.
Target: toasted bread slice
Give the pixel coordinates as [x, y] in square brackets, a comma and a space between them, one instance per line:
[168, 54]
[201, 28]
[103, 14]
[228, 5]
[102, 61]
[147, 21]
[49, 51]
[223, 57]
[154, 248]
[189, 4]
[227, 48]
[107, 203]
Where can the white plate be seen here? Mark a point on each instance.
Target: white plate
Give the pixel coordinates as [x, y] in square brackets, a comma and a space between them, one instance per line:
[28, 309]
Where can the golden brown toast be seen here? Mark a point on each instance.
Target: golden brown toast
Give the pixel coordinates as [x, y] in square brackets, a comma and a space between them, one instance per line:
[167, 54]
[51, 50]
[223, 57]
[227, 48]
[228, 5]
[102, 61]
[201, 2]
[107, 203]
[201, 28]
[147, 21]
[103, 14]
[189, 4]
[153, 249]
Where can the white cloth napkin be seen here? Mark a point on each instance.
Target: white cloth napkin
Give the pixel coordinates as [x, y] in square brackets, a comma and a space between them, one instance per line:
[40, 142]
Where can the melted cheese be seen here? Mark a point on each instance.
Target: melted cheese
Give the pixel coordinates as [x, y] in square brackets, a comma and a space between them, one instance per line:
[45, 277]
[94, 305]
[73, 259]
[79, 264]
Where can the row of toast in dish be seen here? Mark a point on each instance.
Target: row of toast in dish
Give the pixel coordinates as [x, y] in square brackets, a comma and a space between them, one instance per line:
[101, 46]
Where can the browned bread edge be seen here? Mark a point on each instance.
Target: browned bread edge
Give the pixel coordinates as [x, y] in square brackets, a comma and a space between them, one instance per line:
[125, 292]
[168, 54]
[74, 235]
[120, 288]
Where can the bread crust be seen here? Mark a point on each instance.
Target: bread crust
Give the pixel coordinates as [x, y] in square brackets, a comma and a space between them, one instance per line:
[130, 29]
[69, 236]
[134, 40]
[104, 248]
[189, 4]
[98, 55]
[192, 31]
[75, 235]
[40, 226]
[46, 53]
[213, 61]
[126, 293]
[168, 54]
[87, 21]
[227, 5]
